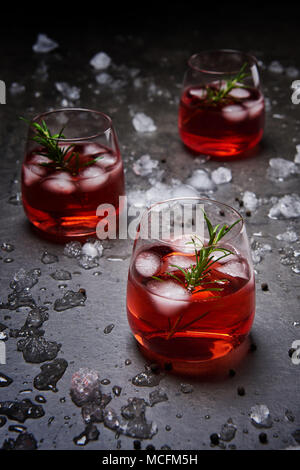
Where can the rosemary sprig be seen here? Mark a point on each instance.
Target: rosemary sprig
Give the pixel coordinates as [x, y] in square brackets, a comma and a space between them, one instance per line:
[51, 149]
[196, 276]
[215, 95]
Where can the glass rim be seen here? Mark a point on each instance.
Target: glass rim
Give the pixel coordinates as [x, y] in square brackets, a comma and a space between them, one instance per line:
[224, 51]
[69, 109]
[192, 198]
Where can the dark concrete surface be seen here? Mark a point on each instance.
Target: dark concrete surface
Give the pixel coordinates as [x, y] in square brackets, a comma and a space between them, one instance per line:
[158, 47]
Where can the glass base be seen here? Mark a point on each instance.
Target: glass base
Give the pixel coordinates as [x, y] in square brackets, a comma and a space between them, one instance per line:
[218, 367]
[220, 149]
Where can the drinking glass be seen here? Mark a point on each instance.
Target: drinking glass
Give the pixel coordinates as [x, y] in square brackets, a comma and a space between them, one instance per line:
[80, 168]
[221, 111]
[173, 318]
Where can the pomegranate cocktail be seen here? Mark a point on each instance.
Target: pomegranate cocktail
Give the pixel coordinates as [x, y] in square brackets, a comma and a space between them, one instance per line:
[64, 180]
[191, 300]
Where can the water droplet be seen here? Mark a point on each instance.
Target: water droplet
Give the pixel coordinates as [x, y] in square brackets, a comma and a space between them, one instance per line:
[24, 441]
[40, 399]
[117, 390]
[105, 382]
[90, 433]
[70, 299]
[157, 396]
[61, 275]
[186, 388]
[8, 247]
[289, 416]
[49, 258]
[17, 428]
[50, 374]
[38, 349]
[21, 410]
[146, 379]
[108, 328]
[50, 420]
[228, 431]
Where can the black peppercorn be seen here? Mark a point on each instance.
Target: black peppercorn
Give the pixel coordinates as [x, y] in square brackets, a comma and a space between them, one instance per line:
[214, 439]
[263, 438]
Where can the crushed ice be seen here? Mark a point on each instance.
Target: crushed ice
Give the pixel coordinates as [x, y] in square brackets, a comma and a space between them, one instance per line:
[280, 169]
[100, 61]
[143, 123]
[44, 44]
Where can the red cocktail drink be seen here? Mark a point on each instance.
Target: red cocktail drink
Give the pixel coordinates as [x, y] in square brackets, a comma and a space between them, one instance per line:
[221, 111]
[225, 128]
[61, 199]
[178, 321]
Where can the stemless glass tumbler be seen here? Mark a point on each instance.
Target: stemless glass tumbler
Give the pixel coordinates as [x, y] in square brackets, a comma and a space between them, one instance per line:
[72, 164]
[190, 296]
[221, 110]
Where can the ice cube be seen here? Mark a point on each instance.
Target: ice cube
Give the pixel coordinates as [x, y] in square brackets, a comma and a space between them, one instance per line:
[254, 108]
[144, 165]
[250, 201]
[288, 236]
[72, 249]
[260, 416]
[32, 174]
[92, 178]
[170, 296]
[70, 299]
[137, 198]
[106, 160]
[234, 269]
[143, 123]
[221, 175]
[275, 67]
[90, 149]
[38, 159]
[287, 206]
[178, 260]
[199, 93]
[292, 72]
[184, 243]
[85, 386]
[184, 190]
[104, 78]
[147, 264]
[234, 112]
[24, 279]
[100, 61]
[44, 44]
[92, 249]
[60, 183]
[201, 181]
[280, 168]
[16, 88]
[158, 192]
[239, 93]
[68, 91]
